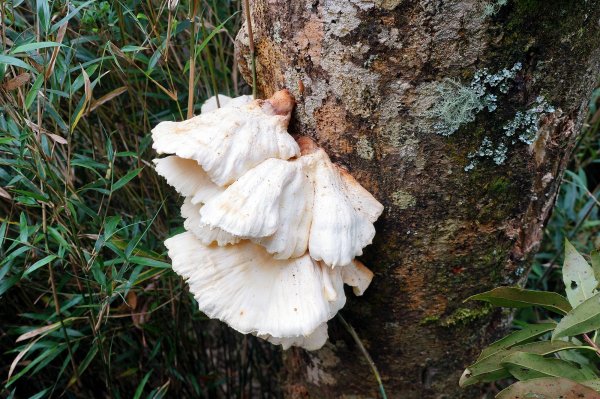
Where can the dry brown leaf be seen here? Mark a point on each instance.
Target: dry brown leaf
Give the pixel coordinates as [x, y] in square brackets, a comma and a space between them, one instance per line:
[37, 331]
[14, 363]
[548, 388]
[59, 38]
[17, 81]
[58, 139]
[132, 300]
[107, 97]
[5, 194]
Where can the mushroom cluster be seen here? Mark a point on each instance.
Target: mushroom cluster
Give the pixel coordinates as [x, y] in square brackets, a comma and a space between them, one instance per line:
[272, 225]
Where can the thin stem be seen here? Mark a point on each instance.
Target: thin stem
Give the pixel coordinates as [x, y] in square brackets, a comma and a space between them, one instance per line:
[251, 41]
[190, 105]
[365, 354]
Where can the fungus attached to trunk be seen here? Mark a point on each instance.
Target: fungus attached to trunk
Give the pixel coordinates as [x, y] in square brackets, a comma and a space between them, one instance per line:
[268, 219]
[228, 141]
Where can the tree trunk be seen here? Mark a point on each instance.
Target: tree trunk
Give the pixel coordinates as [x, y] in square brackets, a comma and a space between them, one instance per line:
[389, 89]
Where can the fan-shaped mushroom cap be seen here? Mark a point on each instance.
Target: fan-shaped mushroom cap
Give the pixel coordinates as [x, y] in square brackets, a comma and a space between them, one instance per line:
[343, 211]
[230, 140]
[270, 204]
[224, 101]
[287, 206]
[203, 232]
[247, 288]
[311, 342]
[187, 177]
[357, 276]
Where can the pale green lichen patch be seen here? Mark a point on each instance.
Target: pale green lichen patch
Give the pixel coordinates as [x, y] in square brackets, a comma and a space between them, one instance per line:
[364, 149]
[491, 8]
[403, 199]
[457, 104]
[523, 127]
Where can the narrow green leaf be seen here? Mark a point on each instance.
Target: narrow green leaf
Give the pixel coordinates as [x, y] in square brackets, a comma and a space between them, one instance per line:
[578, 276]
[31, 96]
[70, 15]
[43, 14]
[42, 262]
[525, 366]
[23, 228]
[140, 388]
[7, 283]
[489, 369]
[34, 46]
[8, 60]
[547, 388]
[125, 179]
[584, 318]
[3, 228]
[514, 297]
[138, 260]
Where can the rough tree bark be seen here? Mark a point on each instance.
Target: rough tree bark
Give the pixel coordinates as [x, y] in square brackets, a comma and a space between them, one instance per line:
[368, 76]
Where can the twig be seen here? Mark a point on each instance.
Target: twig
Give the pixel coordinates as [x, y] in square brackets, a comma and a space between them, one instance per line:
[251, 41]
[190, 111]
[365, 354]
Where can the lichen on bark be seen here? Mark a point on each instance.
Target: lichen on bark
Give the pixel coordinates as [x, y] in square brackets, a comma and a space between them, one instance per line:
[367, 69]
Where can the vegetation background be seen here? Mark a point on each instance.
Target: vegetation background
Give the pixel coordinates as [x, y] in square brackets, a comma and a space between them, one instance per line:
[88, 304]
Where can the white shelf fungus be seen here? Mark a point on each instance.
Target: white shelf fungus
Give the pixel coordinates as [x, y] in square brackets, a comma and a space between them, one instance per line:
[228, 141]
[268, 220]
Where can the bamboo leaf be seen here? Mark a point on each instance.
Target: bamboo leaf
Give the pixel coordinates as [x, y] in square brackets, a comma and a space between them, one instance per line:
[33, 46]
[138, 260]
[514, 297]
[42, 262]
[126, 179]
[140, 388]
[8, 60]
[31, 96]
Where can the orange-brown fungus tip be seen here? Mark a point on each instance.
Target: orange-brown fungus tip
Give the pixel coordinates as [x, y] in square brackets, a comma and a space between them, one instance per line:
[307, 145]
[282, 101]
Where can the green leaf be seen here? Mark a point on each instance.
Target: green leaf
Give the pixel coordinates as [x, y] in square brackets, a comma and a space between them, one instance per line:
[7, 59]
[31, 96]
[595, 255]
[138, 260]
[514, 297]
[125, 179]
[43, 14]
[140, 388]
[584, 318]
[526, 334]
[34, 46]
[548, 388]
[70, 15]
[490, 369]
[578, 276]
[526, 366]
[42, 262]
[23, 228]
